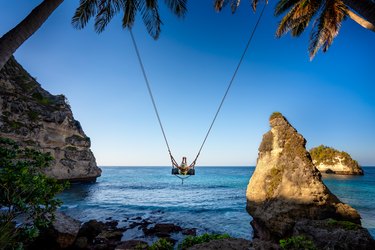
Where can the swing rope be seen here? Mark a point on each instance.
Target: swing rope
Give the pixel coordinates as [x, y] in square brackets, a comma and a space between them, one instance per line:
[149, 91]
[222, 100]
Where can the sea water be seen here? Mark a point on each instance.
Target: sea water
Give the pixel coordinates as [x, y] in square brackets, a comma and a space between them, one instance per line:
[214, 200]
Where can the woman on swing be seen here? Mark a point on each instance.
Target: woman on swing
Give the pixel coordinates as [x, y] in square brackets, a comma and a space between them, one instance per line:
[183, 167]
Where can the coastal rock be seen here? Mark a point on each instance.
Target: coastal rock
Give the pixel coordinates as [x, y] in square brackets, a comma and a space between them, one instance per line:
[331, 161]
[286, 187]
[61, 234]
[33, 117]
[162, 229]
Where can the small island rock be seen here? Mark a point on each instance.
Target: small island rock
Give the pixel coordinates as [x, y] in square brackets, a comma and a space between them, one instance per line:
[331, 161]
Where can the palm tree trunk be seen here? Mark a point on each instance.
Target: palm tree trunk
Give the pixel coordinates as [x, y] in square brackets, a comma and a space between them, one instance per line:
[14, 38]
[365, 8]
[364, 23]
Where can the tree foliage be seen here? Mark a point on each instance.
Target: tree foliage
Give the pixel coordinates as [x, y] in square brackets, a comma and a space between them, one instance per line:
[104, 11]
[27, 196]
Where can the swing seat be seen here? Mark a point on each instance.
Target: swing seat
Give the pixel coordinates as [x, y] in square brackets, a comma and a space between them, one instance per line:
[176, 171]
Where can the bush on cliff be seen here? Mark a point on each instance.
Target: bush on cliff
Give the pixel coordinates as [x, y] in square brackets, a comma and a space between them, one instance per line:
[297, 243]
[194, 240]
[27, 197]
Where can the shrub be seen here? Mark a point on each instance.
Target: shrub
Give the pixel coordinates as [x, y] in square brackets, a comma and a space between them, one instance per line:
[343, 224]
[161, 244]
[194, 240]
[26, 195]
[297, 243]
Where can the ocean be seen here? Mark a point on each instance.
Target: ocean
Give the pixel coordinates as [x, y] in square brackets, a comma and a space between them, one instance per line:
[212, 201]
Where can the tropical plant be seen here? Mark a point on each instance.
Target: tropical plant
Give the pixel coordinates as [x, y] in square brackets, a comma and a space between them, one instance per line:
[27, 197]
[161, 244]
[329, 16]
[102, 10]
[297, 243]
[194, 240]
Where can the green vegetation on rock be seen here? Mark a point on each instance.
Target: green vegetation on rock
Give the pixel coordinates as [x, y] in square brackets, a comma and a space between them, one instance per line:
[329, 156]
[297, 243]
[26, 195]
[161, 244]
[194, 240]
[343, 224]
[276, 115]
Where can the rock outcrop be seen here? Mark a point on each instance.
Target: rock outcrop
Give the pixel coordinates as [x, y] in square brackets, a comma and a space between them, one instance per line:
[286, 188]
[331, 161]
[33, 117]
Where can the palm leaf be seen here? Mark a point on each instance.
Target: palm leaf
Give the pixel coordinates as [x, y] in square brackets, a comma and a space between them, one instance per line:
[327, 26]
[151, 18]
[219, 4]
[284, 5]
[234, 5]
[107, 10]
[130, 10]
[82, 15]
[298, 18]
[178, 7]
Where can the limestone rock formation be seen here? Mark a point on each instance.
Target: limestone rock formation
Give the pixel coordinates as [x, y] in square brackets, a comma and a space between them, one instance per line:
[33, 117]
[286, 187]
[331, 161]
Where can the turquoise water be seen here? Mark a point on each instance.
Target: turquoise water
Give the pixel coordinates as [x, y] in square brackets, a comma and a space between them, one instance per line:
[212, 201]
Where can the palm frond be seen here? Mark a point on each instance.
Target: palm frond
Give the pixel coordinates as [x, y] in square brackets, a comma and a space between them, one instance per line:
[284, 5]
[298, 18]
[106, 11]
[130, 10]
[220, 4]
[234, 5]
[86, 10]
[254, 4]
[327, 26]
[178, 7]
[151, 18]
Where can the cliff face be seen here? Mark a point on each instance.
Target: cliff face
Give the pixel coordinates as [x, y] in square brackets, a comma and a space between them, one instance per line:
[33, 117]
[286, 193]
[331, 161]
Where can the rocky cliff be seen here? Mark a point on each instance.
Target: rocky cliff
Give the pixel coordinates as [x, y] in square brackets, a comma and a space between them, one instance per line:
[331, 161]
[33, 117]
[286, 195]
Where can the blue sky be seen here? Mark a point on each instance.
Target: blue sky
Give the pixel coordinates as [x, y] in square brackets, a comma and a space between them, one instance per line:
[330, 100]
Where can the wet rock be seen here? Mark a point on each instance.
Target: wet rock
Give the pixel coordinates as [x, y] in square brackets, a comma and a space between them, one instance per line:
[91, 229]
[189, 231]
[162, 230]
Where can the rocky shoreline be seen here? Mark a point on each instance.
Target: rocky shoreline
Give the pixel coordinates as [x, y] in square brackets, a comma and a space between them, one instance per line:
[128, 233]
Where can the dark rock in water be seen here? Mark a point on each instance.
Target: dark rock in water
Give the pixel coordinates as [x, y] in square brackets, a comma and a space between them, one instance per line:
[227, 244]
[91, 229]
[189, 231]
[162, 230]
[286, 188]
[33, 117]
[60, 235]
[81, 243]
